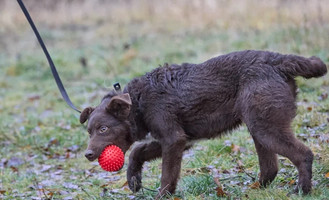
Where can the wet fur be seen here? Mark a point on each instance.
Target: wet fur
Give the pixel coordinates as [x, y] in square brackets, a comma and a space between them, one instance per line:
[178, 104]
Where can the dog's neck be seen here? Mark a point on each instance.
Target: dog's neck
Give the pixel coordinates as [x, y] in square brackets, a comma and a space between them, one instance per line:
[138, 128]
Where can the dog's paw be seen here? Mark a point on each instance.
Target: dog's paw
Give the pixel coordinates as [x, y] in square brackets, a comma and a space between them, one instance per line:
[305, 189]
[134, 177]
[135, 183]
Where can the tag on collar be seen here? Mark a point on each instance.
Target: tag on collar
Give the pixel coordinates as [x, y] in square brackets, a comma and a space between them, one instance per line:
[117, 87]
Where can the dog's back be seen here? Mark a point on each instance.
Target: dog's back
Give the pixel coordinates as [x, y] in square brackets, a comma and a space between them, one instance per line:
[207, 99]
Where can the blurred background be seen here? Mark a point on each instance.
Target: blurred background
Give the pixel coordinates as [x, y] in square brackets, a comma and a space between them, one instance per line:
[97, 43]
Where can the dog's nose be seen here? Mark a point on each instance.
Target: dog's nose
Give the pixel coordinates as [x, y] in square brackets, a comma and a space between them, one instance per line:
[89, 154]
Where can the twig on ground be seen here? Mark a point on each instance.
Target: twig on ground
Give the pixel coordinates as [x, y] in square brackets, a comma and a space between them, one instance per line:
[228, 178]
[36, 185]
[85, 191]
[89, 174]
[242, 168]
[149, 189]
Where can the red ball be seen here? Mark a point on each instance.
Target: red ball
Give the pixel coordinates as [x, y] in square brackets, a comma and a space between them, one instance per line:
[111, 159]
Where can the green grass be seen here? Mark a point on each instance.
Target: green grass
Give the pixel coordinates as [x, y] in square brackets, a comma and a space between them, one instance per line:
[42, 142]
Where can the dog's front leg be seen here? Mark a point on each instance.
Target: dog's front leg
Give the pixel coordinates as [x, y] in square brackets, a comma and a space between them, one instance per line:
[172, 153]
[141, 153]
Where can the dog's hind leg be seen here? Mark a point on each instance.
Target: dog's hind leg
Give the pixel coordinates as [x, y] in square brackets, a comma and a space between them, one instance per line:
[268, 163]
[141, 153]
[268, 111]
[286, 144]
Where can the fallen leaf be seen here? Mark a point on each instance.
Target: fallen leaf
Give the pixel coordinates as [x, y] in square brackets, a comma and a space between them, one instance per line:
[104, 192]
[219, 190]
[190, 171]
[47, 182]
[239, 168]
[324, 96]
[204, 170]
[36, 198]
[15, 162]
[176, 198]
[235, 148]
[63, 192]
[255, 185]
[50, 195]
[73, 148]
[70, 186]
[131, 196]
[3, 162]
[14, 169]
[303, 136]
[104, 185]
[33, 97]
[309, 108]
[126, 189]
[240, 164]
[68, 198]
[67, 155]
[227, 143]
[125, 184]
[45, 168]
[283, 170]
[53, 141]
[291, 182]
[327, 175]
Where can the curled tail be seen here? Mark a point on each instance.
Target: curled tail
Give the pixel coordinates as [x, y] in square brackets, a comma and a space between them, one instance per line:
[293, 65]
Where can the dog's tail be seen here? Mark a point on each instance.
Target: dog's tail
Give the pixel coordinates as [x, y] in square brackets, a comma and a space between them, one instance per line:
[293, 65]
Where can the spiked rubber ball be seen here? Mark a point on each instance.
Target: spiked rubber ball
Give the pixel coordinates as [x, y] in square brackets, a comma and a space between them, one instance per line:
[111, 159]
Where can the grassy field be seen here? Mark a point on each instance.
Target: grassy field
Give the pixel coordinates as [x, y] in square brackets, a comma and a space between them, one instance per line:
[97, 43]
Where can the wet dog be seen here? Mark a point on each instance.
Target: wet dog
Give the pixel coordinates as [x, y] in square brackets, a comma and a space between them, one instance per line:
[178, 104]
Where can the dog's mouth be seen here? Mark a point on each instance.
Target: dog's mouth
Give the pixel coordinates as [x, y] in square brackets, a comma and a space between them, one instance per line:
[92, 159]
[92, 155]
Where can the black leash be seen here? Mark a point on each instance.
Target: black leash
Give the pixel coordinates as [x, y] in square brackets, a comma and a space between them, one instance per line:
[50, 61]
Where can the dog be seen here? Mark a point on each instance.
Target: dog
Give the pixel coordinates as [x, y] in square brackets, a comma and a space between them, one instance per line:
[179, 104]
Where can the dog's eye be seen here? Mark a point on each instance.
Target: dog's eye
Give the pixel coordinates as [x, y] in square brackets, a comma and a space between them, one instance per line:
[103, 129]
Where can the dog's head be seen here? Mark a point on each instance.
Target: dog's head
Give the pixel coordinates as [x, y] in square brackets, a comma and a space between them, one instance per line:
[108, 124]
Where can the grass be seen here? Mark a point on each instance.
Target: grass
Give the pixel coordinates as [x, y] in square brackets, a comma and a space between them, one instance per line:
[42, 142]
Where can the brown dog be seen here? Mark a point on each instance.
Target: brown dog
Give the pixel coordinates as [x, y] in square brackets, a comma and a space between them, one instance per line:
[178, 104]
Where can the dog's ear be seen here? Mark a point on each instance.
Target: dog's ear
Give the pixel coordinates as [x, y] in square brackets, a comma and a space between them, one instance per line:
[119, 106]
[85, 114]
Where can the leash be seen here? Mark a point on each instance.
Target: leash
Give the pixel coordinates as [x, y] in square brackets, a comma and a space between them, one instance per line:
[50, 61]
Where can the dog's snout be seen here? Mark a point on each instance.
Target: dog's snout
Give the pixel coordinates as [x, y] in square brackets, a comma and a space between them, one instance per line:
[89, 154]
